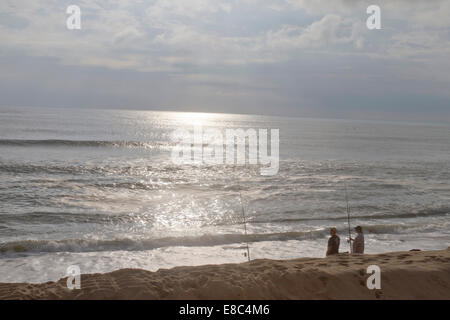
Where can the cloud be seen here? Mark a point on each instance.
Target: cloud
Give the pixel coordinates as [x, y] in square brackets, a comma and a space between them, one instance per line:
[191, 9]
[431, 13]
[127, 34]
[233, 44]
[167, 34]
[330, 30]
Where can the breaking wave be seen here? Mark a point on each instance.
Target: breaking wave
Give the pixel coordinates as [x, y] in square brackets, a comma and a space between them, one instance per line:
[78, 143]
[127, 244]
[85, 245]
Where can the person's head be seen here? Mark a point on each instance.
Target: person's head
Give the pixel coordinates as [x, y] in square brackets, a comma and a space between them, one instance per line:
[333, 231]
[358, 229]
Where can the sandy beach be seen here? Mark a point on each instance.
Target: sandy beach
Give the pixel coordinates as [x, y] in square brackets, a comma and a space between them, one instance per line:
[404, 275]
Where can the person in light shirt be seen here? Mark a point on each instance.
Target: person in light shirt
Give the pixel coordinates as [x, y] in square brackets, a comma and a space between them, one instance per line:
[358, 242]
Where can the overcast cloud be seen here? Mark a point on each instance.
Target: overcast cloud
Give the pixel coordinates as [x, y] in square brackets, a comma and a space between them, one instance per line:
[286, 57]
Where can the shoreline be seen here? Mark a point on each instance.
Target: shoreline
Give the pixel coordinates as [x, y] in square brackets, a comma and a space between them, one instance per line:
[404, 275]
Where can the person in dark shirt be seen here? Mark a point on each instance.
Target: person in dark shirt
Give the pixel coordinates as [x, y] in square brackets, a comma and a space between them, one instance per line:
[333, 243]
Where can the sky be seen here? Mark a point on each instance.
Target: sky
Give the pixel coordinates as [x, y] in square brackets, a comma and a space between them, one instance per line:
[311, 58]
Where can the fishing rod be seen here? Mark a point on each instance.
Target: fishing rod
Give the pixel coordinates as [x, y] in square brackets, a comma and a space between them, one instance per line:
[348, 219]
[245, 225]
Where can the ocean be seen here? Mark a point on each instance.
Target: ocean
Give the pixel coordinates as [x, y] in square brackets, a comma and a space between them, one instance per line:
[98, 189]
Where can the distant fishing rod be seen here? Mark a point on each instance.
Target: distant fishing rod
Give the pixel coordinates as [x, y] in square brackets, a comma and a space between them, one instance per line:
[348, 219]
[245, 225]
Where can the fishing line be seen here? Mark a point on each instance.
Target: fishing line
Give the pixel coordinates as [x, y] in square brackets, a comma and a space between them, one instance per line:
[348, 218]
[245, 224]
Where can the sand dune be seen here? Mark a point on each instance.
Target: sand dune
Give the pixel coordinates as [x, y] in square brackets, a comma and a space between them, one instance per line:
[404, 275]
